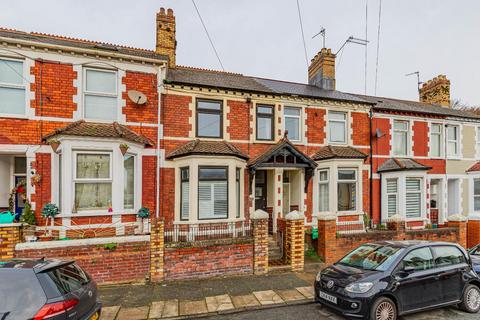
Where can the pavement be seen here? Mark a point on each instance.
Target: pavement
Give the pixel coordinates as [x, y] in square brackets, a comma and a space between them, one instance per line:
[185, 299]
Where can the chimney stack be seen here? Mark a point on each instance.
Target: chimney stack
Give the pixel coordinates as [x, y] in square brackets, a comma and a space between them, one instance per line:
[166, 41]
[321, 72]
[436, 91]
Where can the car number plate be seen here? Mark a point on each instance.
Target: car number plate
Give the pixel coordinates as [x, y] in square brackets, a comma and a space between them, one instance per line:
[328, 297]
[95, 316]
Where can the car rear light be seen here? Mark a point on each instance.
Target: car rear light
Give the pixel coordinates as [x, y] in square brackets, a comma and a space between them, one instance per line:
[54, 309]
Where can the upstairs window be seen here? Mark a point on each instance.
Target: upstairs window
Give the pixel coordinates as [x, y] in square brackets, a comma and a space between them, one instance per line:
[400, 138]
[209, 119]
[452, 141]
[436, 140]
[212, 193]
[292, 117]
[476, 195]
[392, 197]
[265, 122]
[413, 198]
[12, 87]
[347, 189]
[100, 94]
[337, 127]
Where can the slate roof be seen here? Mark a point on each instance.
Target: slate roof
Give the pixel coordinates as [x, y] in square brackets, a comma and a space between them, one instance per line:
[475, 167]
[79, 43]
[100, 130]
[237, 81]
[395, 164]
[210, 148]
[391, 104]
[338, 152]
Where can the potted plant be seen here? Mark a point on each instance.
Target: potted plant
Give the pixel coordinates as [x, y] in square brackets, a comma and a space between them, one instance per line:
[124, 148]
[29, 222]
[143, 213]
[49, 211]
[54, 144]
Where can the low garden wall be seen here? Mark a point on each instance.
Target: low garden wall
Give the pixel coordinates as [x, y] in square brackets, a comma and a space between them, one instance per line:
[107, 260]
[208, 258]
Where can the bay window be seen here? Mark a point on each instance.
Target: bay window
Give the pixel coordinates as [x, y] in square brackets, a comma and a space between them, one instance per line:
[100, 94]
[392, 196]
[346, 189]
[12, 87]
[209, 118]
[452, 141]
[184, 193]
[292, 119]
[436, 140]
[400, 138]
[337, 127]
[129, 181]
[212, 193]
[323, 186]
[413, 197]
[264, 120]
[92, 181]
[476, 195]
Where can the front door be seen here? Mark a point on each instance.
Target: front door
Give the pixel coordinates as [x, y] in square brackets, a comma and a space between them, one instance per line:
[261, 190]
[416, 280]
[19, 196]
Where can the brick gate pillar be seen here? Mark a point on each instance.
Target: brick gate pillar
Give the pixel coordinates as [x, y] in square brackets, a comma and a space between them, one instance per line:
[459, 222]
[157, 248]
[327, 237]
[10, 235]
[260, 241]
[473, 231]
[295, 240]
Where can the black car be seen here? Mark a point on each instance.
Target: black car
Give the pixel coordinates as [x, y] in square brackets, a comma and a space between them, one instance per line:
[475, 255]
[46, 289]
[386, 279]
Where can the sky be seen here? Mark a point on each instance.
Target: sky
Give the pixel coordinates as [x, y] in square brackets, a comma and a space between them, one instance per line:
[263, 37]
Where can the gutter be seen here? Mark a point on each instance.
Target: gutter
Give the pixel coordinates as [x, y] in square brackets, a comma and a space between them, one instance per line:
[78, 50]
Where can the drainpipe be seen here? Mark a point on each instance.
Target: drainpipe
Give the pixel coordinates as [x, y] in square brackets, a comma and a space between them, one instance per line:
[160, 77]
[371, 169]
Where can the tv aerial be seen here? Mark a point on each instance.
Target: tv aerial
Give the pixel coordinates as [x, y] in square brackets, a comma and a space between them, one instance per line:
[137, 97]
[419, 83]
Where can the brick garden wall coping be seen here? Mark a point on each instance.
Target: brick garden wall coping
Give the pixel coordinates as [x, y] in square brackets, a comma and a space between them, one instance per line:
[79, 242]
[209, 243]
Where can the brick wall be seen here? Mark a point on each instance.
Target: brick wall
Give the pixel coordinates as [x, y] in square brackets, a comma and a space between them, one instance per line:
[106, 262]
[147, 84]
[208, 260]
[10, 235]
[175, 115]
[420, 138]
[148, 182]
[43, 189]
[239, 117]
[315, 125]
[360, 129]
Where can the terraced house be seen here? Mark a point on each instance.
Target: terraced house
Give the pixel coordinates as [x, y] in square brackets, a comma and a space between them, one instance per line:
[103, 130]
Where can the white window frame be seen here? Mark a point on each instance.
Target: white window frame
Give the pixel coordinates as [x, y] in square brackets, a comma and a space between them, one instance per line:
[100, 94]
[440, 138]
[135, 179]
[345, 123]
[477, 144]
[477, 211]
[355, 181]
[323, 182]
[299, 119]
[17, 86]
[407, 137]
[457, 141]
[392, 194]
[419, 192]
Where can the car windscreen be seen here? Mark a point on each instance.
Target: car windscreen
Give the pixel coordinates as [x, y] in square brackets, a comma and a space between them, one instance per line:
[372, 257]
[21, 295]
[68, 278]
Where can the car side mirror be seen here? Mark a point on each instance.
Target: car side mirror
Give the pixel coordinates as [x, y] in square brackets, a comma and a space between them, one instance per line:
[408, 269]
[405, 272]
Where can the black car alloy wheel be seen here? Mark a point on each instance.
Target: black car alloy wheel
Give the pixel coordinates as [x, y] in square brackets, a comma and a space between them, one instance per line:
[383, 309]
[471, 299]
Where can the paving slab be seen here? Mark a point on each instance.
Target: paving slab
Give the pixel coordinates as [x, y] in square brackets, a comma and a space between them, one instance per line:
[267, 297]
[219, 303]
[170, 309]
[156, 309]
[245, 301]
[187, 308]
[135, 313]
[307, 292]
[109, 313]
[290, 295]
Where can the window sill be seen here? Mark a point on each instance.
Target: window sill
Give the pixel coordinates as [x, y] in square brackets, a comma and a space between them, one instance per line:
[349, 213]
[264, 141]
[212, 221]
[94, 214]
[13, 116]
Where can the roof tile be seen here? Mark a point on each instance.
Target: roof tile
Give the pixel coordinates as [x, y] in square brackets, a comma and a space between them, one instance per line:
[339, 152]
[213, 148]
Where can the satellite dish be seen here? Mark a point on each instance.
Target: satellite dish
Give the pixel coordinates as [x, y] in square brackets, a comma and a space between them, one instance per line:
[137, 97]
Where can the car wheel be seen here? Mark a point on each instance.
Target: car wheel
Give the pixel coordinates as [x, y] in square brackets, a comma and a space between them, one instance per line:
[471, 299]
[383, 309]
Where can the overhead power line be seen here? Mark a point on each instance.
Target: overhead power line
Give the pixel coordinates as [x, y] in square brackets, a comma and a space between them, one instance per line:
[208, 35]
[366, 45]
[301, 29]
[378, 43]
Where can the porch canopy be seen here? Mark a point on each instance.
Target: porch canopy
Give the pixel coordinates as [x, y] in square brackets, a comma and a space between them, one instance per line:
[283, 155]
[396, 164]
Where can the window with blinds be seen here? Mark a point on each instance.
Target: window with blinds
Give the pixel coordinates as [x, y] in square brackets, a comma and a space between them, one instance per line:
[476, 194]
[392, 197]
[212, 193]
[184, 193]
[413, 197]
